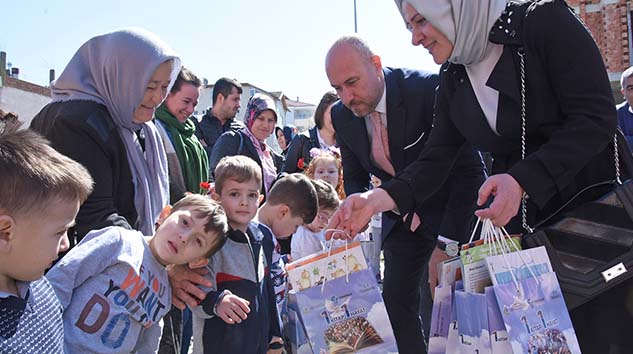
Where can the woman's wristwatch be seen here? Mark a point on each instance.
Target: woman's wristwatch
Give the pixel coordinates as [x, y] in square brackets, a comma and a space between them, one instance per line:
[450, 247]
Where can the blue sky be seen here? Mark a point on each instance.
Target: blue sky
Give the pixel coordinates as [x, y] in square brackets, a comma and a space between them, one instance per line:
[277, 45]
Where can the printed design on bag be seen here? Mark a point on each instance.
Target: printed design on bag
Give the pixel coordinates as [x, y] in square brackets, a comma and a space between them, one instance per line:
[549, 341]
[351, 335]
[347, 331]
[139, 293]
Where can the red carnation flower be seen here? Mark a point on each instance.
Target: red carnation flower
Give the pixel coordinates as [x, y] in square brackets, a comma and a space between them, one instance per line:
[301, 164]
[205, 185]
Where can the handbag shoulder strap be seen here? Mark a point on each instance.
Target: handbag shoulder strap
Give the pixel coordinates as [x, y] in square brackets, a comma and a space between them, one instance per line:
[616, 155]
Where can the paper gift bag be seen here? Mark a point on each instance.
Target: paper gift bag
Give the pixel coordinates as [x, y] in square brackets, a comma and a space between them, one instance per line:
[503, 269]
[347, 315]
[317, 268]
[452, 343]
[294, 330]
[536, 317]
[440, 319]
[473, 254]
[472, 319]
[499, 341]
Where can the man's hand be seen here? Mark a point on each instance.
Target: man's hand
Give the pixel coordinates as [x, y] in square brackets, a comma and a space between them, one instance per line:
[232, 308]
[438, 256]
[184, 281]
[507, 199]
[354, 214]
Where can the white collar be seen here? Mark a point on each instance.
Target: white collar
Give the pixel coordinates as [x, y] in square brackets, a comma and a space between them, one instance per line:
[382, 104]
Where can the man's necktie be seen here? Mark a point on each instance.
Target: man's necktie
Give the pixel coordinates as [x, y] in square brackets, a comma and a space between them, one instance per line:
[382, 157]
[380, 144]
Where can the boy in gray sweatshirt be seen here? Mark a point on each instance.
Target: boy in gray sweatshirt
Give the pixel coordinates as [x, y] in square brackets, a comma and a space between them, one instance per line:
[113, 285]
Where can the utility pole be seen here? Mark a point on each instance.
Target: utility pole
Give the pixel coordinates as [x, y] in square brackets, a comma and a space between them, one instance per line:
[355, 23]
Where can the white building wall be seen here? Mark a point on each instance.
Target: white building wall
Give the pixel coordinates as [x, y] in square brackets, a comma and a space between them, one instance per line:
[23, 103]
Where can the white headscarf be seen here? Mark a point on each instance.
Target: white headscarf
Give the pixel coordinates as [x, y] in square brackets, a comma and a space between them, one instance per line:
[466, 24]
[113, 69]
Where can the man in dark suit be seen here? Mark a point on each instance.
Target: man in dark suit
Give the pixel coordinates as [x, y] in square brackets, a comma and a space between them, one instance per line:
[382, 122]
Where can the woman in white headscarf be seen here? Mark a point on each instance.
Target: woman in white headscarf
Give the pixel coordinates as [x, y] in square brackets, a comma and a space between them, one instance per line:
[570, 121]
[101, 116]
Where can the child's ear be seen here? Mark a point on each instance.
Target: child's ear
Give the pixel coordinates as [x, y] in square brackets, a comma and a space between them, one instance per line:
[198, 262]
[7, 227]
[163, 214]
[283, 210]
[215, 196]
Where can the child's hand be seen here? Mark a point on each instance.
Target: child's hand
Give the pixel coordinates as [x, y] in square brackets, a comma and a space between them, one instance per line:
[276, 346]
[232, 309]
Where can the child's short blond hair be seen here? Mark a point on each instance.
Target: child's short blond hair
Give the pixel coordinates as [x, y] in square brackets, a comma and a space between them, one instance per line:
[33, 173]
[206, 208]
[238, 168]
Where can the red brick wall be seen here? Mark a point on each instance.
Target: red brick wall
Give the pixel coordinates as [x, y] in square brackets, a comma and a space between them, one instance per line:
[608, 21]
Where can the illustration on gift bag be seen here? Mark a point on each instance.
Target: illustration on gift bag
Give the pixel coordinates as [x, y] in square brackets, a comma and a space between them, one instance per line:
[317, 268]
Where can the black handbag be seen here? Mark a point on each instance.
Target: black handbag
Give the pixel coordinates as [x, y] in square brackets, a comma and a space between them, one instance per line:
[591, 246]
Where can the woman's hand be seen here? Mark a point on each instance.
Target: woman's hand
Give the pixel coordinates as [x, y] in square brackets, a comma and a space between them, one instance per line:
[354, 214]
[507, 195]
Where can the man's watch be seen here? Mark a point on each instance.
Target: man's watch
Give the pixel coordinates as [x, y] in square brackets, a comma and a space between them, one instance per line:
[450, 247]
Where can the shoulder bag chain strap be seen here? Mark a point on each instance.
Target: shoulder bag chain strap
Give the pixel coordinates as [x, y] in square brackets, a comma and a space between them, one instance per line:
[523, 134]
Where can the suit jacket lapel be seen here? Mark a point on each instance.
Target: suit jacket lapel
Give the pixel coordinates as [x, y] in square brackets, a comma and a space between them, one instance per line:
[396, 121]
[357, 128]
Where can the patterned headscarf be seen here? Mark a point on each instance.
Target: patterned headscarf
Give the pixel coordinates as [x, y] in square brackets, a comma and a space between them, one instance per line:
[466, 24]
[113, 69]
[256, 105]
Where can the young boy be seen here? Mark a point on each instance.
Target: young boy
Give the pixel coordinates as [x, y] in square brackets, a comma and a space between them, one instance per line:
[113, 285]
[41, 191]
[292, 202]
[239, 313]
[309, 239]
[235, 316]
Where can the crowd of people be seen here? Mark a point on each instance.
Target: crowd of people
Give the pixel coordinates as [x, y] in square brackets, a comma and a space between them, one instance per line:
[159, 217]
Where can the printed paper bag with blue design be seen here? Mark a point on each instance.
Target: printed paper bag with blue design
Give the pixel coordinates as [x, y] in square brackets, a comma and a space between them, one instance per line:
[536, 316]
[472, 319]
[499, 341]
[294, 330]
[474, 253]
[531, 302]
[452, 343]
[440, 319]
[347, 316]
